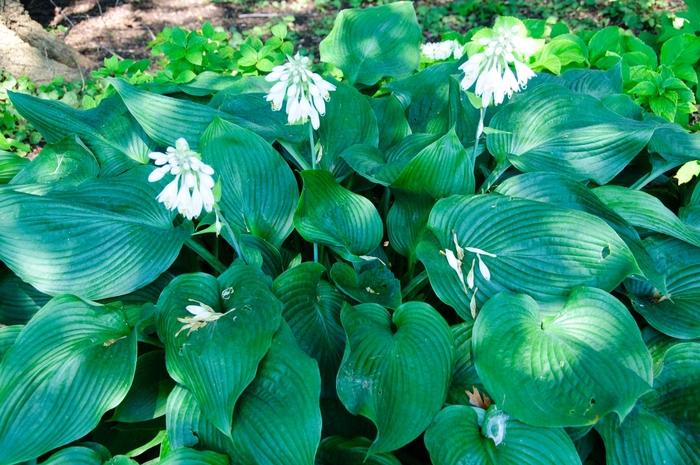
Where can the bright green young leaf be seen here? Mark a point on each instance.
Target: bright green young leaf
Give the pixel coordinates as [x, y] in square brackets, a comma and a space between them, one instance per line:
[565, 368]
[664, 427]
[218, 360]
[148, 393]
[675, 311]
[312, 310]
[550, 128]
[186, 456]
[277, 420]
[258, 189]
[105, 238]
[371, 43]
[605, 47]
[372, 282]
[331, 215]
[336, 450]
[456, 437]
[74, 359]
[687, 172]
[645, 211]
[69, 161]
[395, 370]
[681, 54]
[539, 249]
[10, 165]
[441, 169]
[349, 121]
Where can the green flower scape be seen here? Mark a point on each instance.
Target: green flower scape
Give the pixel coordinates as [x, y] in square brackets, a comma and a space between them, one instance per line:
[421, 279]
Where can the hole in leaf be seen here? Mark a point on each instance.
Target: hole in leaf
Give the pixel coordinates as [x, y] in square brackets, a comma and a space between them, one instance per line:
[542, 325]
[592, 401]
[605, 252]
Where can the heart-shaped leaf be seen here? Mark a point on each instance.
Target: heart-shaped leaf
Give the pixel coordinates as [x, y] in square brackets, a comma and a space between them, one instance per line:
[518, 245]
[331, 215]
[372, 283]
[395, 370]
[217, 360]
[568, 368]
[312, 310]
[105, 238]
[277, 420]
[664, 427]
[258, 189]
[371, 43]
[551, 128]
[75, 360]
[457, 437]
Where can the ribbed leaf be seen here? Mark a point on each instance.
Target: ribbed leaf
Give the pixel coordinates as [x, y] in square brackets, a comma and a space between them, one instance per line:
[441, 169]
[426, 97]
[464, 376]
[73, 362]
[563, 191]
[277, 419]
[406, 221]
[312, 310]
[194, 457]
[393, 126]
[76, 455]
[371, 43]
[540, 249]
[675, 311]
[336, 450]
[568, 368]
[8, 336]
[395, 370]
[108, 130]
[456, 438]
[349, 121]
[68, 160]
[551, 128]
[331, 215]
[645, 211]
[105, 238]
[258, 189]
[664, 427]
[675, 145]
[217, 362]
[10, 165]
[372, 283]
[148, 393]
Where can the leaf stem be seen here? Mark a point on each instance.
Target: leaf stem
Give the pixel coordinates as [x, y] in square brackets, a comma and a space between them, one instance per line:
[312, 146]
[207, 256]
[497, 172]
[416, 284]
[479, 130]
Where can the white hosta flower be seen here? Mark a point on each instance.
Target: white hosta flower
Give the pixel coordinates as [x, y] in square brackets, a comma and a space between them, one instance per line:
[497, 61]
[202, 314]
[305, 92]
[495, 427]
[438, 51]
[192, 188]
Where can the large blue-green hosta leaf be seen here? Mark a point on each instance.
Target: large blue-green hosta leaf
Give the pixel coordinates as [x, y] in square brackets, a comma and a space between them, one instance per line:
[539, 249]
[258, 189]
[149, 391]
[218, 361]
[277, 420]
[464, 376]
[396, 369]
[564, 368]
[371, 43]
[73, 361]
[105, 238]
[551, 128]
[69, 161]
[335, 450]
[186, 456]
[312, 310]
[331, 215]
[664, 427]
[457, 437]
[674, 311]
[108, 130]
[18, 300]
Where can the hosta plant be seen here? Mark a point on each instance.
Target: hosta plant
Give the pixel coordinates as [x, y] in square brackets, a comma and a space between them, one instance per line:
[464, 260]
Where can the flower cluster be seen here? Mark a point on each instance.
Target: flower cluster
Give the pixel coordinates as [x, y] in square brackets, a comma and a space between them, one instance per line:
[192, 188]
[202, 314]
[456, 260]
[305, 91]
[438, 51]
[498, 61]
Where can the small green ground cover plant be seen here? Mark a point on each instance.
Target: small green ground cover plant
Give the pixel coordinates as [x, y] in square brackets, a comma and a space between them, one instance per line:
[459, 252]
